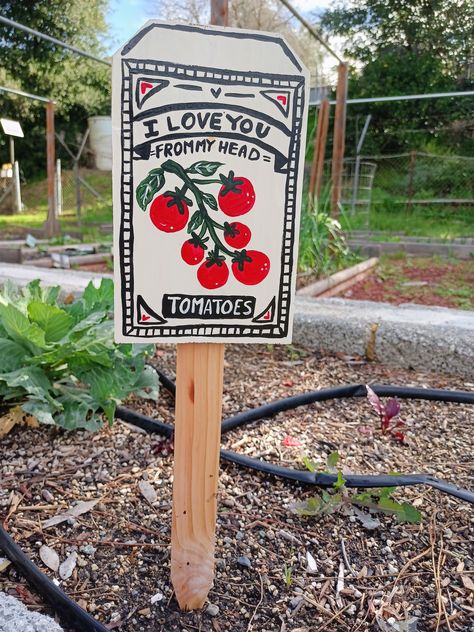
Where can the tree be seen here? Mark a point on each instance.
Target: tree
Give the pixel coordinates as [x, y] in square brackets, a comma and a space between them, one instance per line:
[407, 47]
[80, 87]
[257, 15]
[441, 28]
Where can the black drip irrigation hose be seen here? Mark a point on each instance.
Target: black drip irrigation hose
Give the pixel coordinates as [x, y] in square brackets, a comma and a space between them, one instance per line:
[80, 620]
[68, 610]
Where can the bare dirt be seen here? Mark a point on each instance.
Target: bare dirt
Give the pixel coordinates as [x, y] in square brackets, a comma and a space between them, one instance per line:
[426, 281]
[382, 579]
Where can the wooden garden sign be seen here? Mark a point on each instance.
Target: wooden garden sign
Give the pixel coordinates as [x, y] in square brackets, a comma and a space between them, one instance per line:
[209, 134]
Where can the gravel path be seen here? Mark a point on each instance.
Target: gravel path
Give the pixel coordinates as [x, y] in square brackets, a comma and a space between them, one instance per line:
[275, 570]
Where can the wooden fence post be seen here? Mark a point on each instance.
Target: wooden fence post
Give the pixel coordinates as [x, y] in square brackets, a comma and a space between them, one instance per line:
[317, 165]
[339, 138]
[52, 225]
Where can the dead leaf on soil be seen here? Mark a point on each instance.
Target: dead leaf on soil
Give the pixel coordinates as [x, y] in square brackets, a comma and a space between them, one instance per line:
[4, 563]
[67, 567]
[15, 416]
[77, 510]
[467, 582]
[49, 557]
[147, 491]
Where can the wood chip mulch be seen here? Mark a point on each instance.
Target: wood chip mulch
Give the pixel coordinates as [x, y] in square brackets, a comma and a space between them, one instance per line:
[275, 570]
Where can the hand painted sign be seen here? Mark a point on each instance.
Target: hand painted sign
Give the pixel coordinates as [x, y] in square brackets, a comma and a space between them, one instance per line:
[209, 129]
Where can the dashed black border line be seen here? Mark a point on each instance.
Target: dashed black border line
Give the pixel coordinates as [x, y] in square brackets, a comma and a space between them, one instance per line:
[126, 238]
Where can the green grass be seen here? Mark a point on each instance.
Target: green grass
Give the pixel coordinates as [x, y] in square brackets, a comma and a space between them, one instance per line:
[93, 211]
[388, 216]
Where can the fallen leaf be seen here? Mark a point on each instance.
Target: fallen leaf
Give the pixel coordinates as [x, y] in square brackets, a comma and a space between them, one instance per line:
[16, 415]
[144, 612]
[467, 582]
[77, 510]
[4, 563]
[49, 557]
[366, 520]
[312, 566]
[147, 491]
[67, 567]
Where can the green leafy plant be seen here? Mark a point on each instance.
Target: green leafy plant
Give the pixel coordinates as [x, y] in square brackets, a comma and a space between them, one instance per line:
[58, 360]
[322, 246]
[343, 500]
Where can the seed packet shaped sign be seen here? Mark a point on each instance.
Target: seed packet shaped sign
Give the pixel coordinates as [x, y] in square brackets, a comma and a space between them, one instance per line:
[209, 130]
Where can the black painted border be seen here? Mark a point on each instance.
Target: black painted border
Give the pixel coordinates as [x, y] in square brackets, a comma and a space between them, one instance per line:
[265, 332]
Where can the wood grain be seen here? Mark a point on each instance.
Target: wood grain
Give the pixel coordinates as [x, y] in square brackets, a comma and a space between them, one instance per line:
[199, 378]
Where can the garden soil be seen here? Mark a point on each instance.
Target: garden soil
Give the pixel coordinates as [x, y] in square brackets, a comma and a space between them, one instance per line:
[426, 281]
[276, 571]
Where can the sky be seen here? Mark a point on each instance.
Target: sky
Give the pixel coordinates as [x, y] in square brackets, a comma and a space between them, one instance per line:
[125, 17]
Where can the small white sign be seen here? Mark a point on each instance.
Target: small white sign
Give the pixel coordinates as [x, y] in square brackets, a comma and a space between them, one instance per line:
[209, 128]
[11, 128]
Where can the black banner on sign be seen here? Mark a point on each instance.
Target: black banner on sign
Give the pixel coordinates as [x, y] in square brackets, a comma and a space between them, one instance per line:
[207, 307]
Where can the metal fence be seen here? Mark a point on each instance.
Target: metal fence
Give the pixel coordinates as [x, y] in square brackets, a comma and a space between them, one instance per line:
[415, 181]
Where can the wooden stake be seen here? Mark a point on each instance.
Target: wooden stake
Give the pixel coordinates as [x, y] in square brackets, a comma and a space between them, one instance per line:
[339, 138]
[199, 378]
[317, 166]
[52, 224]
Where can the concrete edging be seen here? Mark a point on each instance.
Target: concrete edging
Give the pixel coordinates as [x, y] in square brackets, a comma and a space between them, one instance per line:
[408, 336]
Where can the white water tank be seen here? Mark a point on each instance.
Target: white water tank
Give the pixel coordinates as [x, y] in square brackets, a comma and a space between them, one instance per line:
[100, 141]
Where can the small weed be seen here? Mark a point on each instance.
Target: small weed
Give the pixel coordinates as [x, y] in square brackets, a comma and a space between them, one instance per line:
[343, 500]
[386, 413]
[288, 575]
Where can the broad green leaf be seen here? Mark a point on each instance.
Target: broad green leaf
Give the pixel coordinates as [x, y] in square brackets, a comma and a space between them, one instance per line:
[403, 512]
[309, 464]
[19, 328]
[149, 187]
[35, 292]
[332, 459]
[54, 321]
[101, 297]
[340, 482]
[147, 384]
[12, 355]
[204, 168]
[78, 414]
[32, 379]
[41, 410]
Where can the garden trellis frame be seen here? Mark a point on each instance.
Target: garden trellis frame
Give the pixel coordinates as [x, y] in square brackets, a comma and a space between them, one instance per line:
[51, 225]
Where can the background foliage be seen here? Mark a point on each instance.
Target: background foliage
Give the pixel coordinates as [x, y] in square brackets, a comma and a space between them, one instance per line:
[80, 87]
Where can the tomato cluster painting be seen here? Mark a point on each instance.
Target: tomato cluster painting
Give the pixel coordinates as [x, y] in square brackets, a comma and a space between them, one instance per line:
[213, 243]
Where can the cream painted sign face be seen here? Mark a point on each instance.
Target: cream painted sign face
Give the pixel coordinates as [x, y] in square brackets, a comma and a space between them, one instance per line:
[209, 131]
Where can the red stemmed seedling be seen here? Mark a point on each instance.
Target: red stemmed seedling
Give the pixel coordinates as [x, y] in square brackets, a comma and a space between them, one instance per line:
[387, 412]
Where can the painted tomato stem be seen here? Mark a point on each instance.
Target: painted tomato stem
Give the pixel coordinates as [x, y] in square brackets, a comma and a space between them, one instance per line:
[207, 181]
[173, 167]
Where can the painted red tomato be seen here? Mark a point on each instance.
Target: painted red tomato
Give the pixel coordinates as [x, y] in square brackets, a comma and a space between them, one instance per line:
[254, 271]
[236, 195]
[166, 214]
[212, 275]
[236, 234]
[191, 253]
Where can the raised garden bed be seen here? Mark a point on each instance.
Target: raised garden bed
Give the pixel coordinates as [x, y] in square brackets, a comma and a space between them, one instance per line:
[426, 281]
[265, 580]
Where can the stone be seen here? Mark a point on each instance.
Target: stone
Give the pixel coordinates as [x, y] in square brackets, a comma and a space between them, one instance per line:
[244, 562]
[15, 617]
[212, 610]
